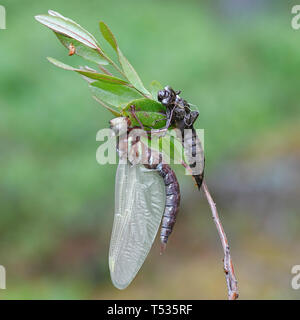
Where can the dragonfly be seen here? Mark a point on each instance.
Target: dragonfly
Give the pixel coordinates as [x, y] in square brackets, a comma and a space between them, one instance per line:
[147, 195]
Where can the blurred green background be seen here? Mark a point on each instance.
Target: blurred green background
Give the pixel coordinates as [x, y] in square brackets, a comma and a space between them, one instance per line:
[239, 61]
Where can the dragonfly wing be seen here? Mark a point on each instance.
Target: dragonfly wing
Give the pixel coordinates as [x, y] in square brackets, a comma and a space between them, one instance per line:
[139, 206]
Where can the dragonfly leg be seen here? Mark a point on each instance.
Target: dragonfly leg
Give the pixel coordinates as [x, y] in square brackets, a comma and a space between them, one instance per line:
[169, 117]
[133, 112]
[191, 118]
[158, 133]
[157, 120]
[162, 132]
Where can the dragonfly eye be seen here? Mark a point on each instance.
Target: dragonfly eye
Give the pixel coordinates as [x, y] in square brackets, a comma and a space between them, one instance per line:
[162, 94]
[167, 96]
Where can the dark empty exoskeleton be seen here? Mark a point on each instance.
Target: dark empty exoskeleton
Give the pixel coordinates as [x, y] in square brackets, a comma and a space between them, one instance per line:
[178, 110]
[180, 115]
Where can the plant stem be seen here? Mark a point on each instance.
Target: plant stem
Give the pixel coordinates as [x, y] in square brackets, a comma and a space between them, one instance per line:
[228, 265]
[102, 54]
[231, 281]
[104, 70]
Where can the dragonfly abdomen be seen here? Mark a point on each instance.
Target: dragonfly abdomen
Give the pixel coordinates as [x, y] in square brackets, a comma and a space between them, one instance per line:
[172, 200]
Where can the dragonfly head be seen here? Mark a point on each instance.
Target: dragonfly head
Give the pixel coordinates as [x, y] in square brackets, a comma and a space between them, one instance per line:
[119, 125]
[167, 96]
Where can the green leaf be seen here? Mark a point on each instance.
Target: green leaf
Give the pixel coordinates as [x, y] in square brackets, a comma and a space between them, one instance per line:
[114, 94]
[149, 112]
[131, 74]
[81, 49]
[110, 109]
[128, 69]
[60, 64]
[108, 35]
[57, 14]
[155, 86]
[67, 67]
[101, 77]
[87, 73]
[68, 27]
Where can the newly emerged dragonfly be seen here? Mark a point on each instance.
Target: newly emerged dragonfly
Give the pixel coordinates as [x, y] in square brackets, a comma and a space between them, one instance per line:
[146, 195]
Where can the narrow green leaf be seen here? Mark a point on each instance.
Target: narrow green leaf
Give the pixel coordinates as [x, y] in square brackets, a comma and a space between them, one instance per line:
[114, 94]
[67, 67]
[66, 26]
[128, 69]
[102, 77]
[60, 64]
[155, 86]
[81, 49]
[87, 73]
[108, 35]
[113, 111]
[131, 74]
[105, 91]
[57, 14]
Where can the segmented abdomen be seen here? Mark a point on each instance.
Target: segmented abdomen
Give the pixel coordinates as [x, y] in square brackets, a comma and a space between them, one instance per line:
[172, 200]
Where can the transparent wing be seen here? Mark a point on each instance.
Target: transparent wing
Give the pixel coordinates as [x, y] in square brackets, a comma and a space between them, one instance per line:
[139, 206]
